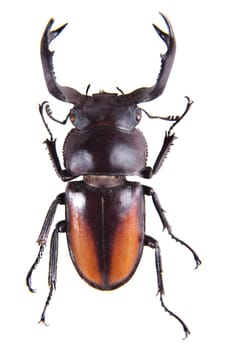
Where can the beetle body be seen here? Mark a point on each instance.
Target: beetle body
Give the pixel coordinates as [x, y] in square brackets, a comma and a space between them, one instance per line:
[104, 212]
[105, 231]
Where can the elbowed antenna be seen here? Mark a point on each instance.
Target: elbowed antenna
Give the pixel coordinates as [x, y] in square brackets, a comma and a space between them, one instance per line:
[146, 94]
[63, 93]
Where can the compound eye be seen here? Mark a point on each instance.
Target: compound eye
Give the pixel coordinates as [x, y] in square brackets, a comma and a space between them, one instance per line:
[138, 115]
[72, 117]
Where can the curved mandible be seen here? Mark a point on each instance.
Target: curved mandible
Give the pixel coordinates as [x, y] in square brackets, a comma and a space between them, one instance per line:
[146, 94]
[63, 93]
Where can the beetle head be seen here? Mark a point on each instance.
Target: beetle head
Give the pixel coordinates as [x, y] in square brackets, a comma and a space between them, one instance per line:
[104, 109]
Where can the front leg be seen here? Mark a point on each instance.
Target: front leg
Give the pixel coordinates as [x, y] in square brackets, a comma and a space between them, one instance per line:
[51, 144]
[62, 173]
[148, 172]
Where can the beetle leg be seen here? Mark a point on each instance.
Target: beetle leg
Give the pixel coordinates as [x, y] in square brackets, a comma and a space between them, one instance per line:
[43, 236]
[51, 144]
[152, 243]
[171, 118]
[188, 105]
[52, 276]
[150, 192]
[169, 138]
[62, 173]
[45, 105]
[33, 267]
[167, 143]
[148, 172]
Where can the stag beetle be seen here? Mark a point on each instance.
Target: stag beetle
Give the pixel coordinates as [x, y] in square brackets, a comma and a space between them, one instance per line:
[105, 213]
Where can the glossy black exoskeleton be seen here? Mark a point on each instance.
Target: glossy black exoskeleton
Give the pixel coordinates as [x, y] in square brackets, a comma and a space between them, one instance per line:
[104, 212]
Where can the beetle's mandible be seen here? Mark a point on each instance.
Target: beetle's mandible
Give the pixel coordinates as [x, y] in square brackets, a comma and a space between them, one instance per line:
[104, 212]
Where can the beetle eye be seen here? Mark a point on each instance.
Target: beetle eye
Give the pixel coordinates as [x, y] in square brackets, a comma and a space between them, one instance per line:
[72, 118]
[139, 115]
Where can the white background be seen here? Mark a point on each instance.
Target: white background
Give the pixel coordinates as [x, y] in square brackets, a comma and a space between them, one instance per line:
[109, 44]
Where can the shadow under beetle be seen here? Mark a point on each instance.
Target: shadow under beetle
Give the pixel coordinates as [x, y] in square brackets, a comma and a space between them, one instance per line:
[105, 213]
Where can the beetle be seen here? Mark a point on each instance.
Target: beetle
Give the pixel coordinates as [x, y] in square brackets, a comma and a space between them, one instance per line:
[104, 212]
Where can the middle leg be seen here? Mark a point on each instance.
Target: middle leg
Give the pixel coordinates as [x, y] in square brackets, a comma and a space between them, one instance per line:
[150, 192]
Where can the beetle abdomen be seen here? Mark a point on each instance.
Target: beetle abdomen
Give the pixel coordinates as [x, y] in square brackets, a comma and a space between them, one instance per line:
[105, 151]
[105, 232]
